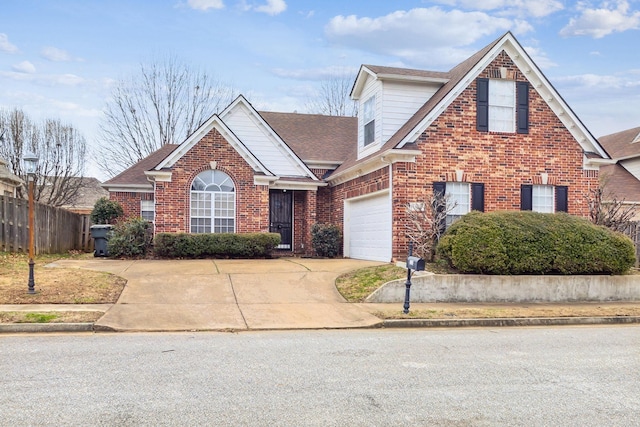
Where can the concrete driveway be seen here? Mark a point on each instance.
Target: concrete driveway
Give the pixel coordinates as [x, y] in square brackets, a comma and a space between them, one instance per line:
[182, 295]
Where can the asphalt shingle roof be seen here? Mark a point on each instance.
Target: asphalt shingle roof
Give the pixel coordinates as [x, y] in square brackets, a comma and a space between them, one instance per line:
[135, 174]
[314, 136]
[620, 144]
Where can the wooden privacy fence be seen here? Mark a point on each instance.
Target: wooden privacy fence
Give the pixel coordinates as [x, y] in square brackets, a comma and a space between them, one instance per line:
[633, 232]
[55, 230]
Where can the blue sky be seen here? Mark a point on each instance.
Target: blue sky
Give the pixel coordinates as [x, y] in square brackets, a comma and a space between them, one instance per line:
[60, 58]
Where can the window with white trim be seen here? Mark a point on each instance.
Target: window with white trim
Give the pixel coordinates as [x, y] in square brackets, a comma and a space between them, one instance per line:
[368, 120]
[213, 203]
[502, 105]
[147, 210]
[458, 200]
[542, 199]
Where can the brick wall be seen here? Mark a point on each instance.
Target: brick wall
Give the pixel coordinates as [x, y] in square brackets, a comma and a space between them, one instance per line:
[173, 198]
[130, 201]
[360, 186]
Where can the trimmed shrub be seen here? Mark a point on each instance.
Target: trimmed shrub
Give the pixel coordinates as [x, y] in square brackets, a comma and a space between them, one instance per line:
[534, 243]
[131, 238]
[326, 240]
[221, 245]
[105, 211]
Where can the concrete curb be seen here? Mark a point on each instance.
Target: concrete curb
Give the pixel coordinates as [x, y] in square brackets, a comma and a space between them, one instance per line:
[390, 323]
[14, 328]
[529, 321]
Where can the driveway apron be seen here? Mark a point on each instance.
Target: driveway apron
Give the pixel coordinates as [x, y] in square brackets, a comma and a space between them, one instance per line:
[185, 295]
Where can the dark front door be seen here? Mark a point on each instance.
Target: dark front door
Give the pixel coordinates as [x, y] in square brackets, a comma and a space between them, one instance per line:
[280, 216]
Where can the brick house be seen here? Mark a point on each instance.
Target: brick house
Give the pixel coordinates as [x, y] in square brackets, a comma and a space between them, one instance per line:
[622, 179]
[492, 134]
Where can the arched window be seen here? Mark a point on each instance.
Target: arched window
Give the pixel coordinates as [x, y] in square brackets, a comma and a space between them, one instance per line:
[213, 203]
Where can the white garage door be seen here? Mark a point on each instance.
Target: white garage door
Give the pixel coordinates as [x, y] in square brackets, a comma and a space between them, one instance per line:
[368, 228]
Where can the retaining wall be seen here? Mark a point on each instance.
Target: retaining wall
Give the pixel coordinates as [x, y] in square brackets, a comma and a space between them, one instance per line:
[479, 288]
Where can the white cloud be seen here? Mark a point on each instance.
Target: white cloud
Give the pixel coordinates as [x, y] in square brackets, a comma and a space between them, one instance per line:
[595, 81]
[424, 36]
[24, 67]
[6, 45]
[206, 4]
[540, 57]
[530, 8]
[54, 54]
[273, 7]
[45, 79]
[612, 16]
[316, 73]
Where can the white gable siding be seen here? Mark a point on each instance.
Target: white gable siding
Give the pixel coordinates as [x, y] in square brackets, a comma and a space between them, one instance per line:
[400, 102]
[259, 141]
[371, 88]
[633, 166]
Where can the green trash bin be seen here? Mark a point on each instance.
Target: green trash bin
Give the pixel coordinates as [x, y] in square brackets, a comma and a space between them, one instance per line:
[99, 233]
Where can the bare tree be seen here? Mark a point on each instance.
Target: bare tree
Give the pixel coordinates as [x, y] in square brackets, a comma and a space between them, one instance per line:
[163, 104]
[333, 98]
[606, 209]
[61, 150]
[426, 223]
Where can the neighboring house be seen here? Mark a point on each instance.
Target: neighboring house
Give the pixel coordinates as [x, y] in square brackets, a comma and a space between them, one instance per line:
[8, 181]
[84, 191]
[492, 134]
[622, 179]
[89, 192]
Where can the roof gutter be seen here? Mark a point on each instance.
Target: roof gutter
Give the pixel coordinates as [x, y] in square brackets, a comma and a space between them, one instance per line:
[372, 164]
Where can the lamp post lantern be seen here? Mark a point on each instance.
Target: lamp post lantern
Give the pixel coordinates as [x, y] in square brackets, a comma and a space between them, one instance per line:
[30, 166]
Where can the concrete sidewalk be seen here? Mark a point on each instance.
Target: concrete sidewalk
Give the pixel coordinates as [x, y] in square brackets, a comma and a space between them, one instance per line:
[185, 295]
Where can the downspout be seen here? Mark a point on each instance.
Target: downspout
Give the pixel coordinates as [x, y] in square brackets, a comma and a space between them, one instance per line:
[155, 209]
[384, 160]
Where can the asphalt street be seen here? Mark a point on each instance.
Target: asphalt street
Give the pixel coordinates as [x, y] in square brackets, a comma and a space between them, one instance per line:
[569, 376]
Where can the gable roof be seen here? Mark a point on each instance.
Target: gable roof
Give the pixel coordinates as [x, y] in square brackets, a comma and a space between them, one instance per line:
[261, 139]
[214, 122]
[134, 175]
[459, 79]
[315, 137]
[622, 144]
[395, 74]
[89, 191]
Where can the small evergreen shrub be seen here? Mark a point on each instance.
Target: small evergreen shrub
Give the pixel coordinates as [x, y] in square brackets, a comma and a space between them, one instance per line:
[220, 245]
[326, 240]
[131, 238]
[534, 243]
[105, 211]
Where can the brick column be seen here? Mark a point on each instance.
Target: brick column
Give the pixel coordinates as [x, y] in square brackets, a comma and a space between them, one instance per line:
[309, 219]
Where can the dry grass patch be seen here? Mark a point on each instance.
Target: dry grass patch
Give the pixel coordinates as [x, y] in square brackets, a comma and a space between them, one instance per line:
[473, 311]
[358, 285]
[50, 316]
[55, 285]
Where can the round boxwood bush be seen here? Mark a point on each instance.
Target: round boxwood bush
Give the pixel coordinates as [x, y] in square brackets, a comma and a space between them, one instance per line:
[534, 243]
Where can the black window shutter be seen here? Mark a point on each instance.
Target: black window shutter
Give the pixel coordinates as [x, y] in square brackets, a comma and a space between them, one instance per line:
[482, 105]
[526, 197]
[522, 107]
[439, 189]
[562, 198]
[477, 197]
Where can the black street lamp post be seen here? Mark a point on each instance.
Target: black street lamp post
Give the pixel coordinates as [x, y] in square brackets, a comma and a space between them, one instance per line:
[30, 166]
